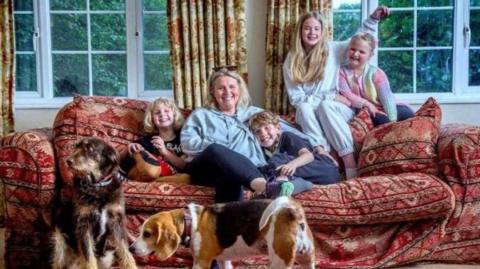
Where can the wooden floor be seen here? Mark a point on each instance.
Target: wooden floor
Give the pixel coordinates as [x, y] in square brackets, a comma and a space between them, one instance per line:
[422, 266]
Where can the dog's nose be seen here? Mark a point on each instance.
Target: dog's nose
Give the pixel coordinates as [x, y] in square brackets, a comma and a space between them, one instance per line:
[69, 162]
[131, 248]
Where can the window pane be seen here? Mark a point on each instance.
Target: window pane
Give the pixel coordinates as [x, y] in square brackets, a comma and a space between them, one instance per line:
[68, 5]
[24, 28]
[23, 5]
[434, 71]
[396, 3]
[475, 27]
[474, 68]
[70, 74]
[474, 3]
[435, 28]
[434, 3]
[109, 74]
[107, 5]
[155, 32]
[397, 30]
[345, 24]
[25, 70]
[398, 65]
[158, 72]
[69, 32]
[154, 5]
[108, 32]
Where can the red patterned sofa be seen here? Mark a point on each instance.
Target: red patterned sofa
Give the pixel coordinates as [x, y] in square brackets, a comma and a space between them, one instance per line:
[418, 199]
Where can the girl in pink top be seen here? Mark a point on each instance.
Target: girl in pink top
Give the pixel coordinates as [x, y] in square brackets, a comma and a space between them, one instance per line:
[365, 85]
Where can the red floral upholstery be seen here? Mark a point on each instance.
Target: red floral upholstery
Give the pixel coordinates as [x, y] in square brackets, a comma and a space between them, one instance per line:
[360, 125]
[421, 198]
[367, 222]
[118, 120]
[27, 173]
[405, 146]
[459, 162]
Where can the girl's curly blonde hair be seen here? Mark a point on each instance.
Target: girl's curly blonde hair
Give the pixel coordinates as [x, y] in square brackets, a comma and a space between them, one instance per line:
[148, 124]
[367, 37]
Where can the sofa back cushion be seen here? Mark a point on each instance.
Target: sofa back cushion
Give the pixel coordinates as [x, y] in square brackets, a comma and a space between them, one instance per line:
[405, 146]
[117, 120]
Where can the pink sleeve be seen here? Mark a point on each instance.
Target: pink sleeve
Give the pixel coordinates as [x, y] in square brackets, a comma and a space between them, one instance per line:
[385, 95]
[346, 91]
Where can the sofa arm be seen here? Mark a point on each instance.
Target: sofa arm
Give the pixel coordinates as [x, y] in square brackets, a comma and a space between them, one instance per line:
[27, 174]
[459, 153]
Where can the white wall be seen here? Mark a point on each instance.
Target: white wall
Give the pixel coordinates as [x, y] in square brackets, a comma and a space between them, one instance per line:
[256, 13]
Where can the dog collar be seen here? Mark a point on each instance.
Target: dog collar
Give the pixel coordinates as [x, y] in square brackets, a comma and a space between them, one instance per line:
[187, 227]
[104, 185]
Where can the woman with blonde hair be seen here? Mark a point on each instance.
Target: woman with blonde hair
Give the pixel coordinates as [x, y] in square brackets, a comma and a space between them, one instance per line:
[226, 154]
[310, 73]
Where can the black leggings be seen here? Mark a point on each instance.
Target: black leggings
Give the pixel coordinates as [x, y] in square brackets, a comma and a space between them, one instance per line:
[225, 170]
[403, 113]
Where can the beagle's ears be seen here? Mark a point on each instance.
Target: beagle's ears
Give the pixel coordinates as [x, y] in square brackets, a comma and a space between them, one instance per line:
[167, 243]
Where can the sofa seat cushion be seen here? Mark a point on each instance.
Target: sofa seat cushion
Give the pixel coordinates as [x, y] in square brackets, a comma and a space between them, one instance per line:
[157, 196]
[378, 199]
[355, 223]
[405, 146]
[379, 220]
[117, 120]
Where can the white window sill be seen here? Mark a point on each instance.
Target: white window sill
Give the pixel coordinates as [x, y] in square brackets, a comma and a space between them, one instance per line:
[441, 98]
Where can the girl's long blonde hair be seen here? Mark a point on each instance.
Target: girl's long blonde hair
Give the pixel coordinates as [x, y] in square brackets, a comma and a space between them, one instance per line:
[148, 124]
[308, 67]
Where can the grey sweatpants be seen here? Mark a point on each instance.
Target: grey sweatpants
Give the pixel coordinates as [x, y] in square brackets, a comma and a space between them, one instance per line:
[327, 125]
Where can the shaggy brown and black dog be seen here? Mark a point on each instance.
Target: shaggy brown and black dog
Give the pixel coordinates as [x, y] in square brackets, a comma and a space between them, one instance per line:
[90, 229]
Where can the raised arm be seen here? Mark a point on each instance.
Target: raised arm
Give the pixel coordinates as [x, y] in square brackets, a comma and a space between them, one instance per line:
[369, 26]
[378, 14]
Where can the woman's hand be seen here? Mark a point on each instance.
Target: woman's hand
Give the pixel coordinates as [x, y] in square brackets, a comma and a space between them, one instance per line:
[159, 144]
[134, 148]
[380, 13]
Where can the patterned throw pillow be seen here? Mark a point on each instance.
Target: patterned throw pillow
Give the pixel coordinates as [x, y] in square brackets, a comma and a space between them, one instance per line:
[360, 125]
[405, 146]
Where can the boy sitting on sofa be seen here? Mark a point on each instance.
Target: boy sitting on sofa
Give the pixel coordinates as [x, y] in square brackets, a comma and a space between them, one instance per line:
[289, 156]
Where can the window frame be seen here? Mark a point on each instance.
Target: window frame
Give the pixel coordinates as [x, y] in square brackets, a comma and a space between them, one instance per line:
[43, 97]
[461, 91]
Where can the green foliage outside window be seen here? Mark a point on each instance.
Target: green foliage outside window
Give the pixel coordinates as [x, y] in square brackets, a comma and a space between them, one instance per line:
[398, 65]
[79, 60]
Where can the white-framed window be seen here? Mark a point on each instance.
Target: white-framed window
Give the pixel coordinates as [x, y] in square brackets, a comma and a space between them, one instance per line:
[426, 47]
[90, 47]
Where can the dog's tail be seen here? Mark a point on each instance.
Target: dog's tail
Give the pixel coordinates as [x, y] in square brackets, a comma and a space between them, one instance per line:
[282, 202]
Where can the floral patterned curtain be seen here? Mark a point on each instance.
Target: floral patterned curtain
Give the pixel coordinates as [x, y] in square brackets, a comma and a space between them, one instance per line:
[281, 19]
[7, 82]
[204, 34]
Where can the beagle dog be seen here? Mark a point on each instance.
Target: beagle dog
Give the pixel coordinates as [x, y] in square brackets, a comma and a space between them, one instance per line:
[230, 231]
